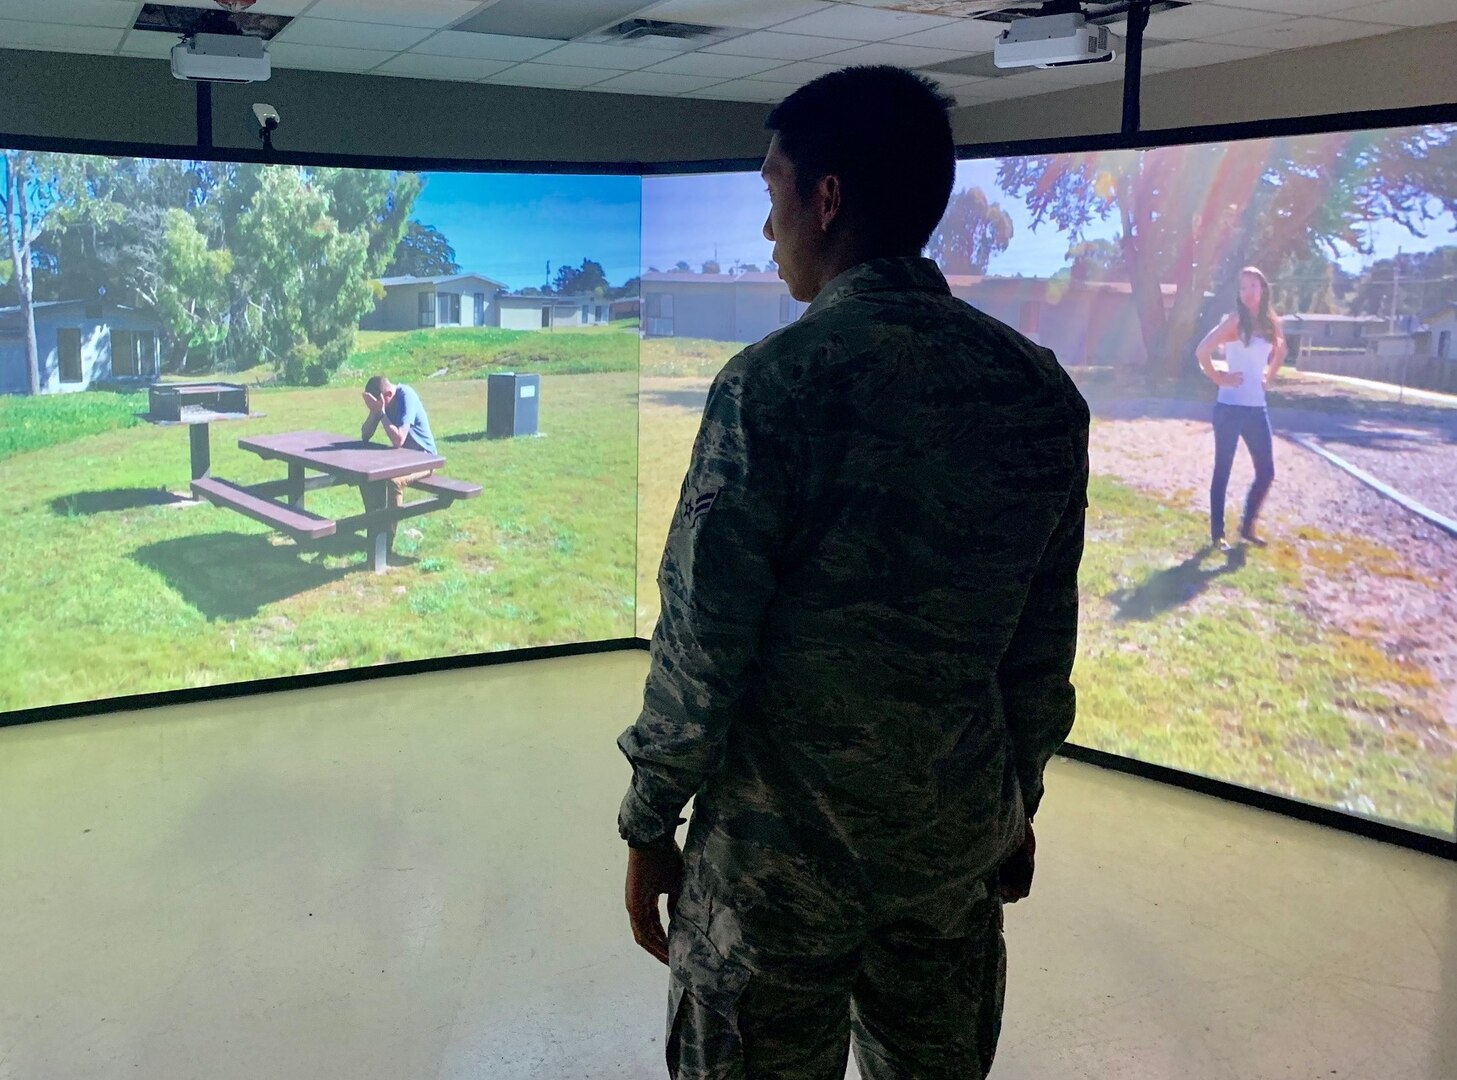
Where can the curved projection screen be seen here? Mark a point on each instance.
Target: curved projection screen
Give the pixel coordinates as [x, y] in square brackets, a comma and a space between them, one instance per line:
[1322, 666]
[282, 290]
[207, 329]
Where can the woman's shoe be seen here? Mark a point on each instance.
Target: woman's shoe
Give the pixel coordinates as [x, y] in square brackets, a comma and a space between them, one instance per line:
[1251, 539]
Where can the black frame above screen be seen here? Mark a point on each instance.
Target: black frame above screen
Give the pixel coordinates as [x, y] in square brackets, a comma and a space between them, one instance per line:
[1256, 129]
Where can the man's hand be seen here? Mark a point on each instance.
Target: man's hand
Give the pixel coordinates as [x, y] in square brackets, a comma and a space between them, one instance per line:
[373, 404]
[653, 872]
[1230, 379]
[1015, 875]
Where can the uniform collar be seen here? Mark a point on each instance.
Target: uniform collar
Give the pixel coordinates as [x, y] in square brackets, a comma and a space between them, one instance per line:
[901, 274]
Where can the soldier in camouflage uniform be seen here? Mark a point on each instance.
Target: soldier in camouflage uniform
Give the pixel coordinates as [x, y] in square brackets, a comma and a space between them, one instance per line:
[869, 614]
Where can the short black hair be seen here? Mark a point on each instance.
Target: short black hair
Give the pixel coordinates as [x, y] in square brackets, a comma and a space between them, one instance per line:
[886, 133]
[375, 385]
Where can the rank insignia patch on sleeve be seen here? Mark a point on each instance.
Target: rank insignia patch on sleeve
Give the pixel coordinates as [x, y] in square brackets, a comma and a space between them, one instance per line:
[696, 507]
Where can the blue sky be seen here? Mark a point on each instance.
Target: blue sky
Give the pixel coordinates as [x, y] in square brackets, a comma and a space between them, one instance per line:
[507, 225]
[689, 217]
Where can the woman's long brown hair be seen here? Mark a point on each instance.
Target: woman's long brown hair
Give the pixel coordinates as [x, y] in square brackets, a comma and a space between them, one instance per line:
[1265, 321]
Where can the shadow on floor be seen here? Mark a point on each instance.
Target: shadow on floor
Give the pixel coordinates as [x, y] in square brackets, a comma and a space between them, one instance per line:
[230, 576]
[86, 503]
[1175, 586]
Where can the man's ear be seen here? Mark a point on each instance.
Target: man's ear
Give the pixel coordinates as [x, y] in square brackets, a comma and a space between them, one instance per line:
[829, 200]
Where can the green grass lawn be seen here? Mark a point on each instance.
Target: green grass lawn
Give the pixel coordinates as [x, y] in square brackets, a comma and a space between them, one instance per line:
[34, 423]
[112, 589]
[473, 352]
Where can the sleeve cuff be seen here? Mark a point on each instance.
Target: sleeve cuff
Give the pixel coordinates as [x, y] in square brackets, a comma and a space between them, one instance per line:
[639, 824]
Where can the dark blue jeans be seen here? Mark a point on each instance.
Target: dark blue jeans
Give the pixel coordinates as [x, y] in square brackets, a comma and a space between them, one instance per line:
[1231, 424]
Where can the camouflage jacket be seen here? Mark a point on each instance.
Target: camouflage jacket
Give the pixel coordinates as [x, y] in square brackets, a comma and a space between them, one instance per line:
[869, 601]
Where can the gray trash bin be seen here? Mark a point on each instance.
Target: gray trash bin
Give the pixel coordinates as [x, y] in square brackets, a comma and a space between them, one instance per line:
[513, 405]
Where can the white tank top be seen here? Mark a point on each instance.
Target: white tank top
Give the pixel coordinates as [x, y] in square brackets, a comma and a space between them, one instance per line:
[1250, 361]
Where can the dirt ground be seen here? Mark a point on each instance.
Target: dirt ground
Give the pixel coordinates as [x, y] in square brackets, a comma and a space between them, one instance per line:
[1369, 567]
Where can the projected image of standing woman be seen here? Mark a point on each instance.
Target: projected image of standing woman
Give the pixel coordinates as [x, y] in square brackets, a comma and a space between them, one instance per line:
[1254, 348]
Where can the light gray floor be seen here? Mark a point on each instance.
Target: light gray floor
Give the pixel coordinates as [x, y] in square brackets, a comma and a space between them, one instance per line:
[420, 878]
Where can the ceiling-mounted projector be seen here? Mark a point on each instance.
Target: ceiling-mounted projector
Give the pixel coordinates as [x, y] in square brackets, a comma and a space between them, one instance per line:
[1051, 41]
[229, 58]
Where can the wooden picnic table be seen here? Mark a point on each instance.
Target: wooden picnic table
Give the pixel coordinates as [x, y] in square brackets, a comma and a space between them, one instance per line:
[336, 459]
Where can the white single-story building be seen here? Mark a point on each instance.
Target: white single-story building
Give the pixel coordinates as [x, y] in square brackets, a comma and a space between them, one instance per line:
[80, 343]
[413, 303]
[1307, 331]
[551, 312]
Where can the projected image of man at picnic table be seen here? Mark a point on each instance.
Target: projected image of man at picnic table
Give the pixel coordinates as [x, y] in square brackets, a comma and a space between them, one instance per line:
[399, 410]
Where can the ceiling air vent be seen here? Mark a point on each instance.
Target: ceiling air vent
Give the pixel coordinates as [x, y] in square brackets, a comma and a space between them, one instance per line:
[654, 31]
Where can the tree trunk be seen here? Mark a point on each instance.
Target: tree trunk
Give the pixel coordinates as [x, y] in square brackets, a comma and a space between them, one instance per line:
[18, 226]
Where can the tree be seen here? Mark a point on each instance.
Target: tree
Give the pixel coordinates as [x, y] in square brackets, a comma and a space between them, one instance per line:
[36, 186]
[307, 280]
[682, 267]
[750, 268]
[712, 267]
[1425, 281]
[1096, 260]
[970, 232]
[589, 278]
[422, 252]
[191, 291]
[1190, 216]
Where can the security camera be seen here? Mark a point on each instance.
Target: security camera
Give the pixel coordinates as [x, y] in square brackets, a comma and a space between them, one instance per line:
[268, 121]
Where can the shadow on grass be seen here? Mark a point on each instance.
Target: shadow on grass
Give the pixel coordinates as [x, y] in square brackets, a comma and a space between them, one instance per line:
[86, 503]
[230, 576]
[1173, 587]
[692, 401]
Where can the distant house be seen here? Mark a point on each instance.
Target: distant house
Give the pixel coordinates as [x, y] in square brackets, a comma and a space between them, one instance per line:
[1441, 331]
[719, 307]
[413, 303]
[1346, 332]
[1086, 323]
[1083, 322]
[80, 343]
[517, 312]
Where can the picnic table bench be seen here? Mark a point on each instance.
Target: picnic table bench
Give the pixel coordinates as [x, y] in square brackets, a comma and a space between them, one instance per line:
[336, 460]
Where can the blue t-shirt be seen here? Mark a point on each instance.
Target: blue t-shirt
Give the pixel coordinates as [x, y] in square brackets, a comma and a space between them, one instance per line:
[406, 410]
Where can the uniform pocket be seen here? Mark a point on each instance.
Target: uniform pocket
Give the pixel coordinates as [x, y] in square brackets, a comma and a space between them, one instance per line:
[703, 1007]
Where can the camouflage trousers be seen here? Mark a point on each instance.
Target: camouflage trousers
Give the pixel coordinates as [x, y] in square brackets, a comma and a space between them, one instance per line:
[918, 1000]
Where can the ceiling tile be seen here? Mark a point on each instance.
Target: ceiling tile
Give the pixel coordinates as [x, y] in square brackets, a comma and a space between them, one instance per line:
[892, 53]
[1302, 33]
[106, 13]
[863, 24]
[485, 46]
[325, 58]
[745, 90]
[1204, 19]
[797, 74]
[37, 35]
[715, 65]
[1405, 12]
[351, 35]
[949, 81]
[457, 68]
[148, 43]
[636, 82]
[773, 46]
[610, 57]
[1187, 54]
[742, 15]
[551, 75]
[1294, 7]
[969, 35]
[429, 13]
